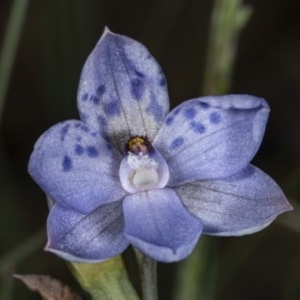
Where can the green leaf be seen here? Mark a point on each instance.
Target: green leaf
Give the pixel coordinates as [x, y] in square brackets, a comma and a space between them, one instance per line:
[107, 280]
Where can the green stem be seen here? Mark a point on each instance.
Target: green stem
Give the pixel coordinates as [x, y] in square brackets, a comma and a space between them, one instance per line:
[6, 290]
[10, 43]
[13, 258]
[197, 274]
[107, 280]
[148, 268]
[227, 20]
[21, 252]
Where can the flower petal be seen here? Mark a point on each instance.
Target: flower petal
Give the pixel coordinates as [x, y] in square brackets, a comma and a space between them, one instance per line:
[157, 223]
[245, 203]
[86, 238]
[122, 90]
[76, 167]
[212, 137]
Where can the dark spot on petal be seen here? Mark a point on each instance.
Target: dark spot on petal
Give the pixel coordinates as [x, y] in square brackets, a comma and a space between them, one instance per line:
[112, 108]
[64, 131]
[78, 138]
[83, 117]
[79, 149]
[215, 118]
[84, 128]
[94, 134]
[67, 163]
[155, 109]
[162, 82]
[197, 127]
[92, 151]
[108, 146]
[139, 74]
[203, 105]
[190, 113]
[137, 88]
[169, 120]
[85, 96]
[177, 142]
[101, 90]
[102, 121]
[94, 99]
[176, 111]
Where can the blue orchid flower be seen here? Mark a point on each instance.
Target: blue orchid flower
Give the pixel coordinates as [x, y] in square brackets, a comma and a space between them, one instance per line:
[131, 172]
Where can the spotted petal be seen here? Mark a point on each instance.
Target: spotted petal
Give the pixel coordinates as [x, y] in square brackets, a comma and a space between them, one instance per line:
[86, 238]
[122, 90]
[157, 223]
[212, 137]
[243, 204]
[76, 167]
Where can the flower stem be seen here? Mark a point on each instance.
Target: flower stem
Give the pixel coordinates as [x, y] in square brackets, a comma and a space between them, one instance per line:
[6, 288]
[10, 43]
[147, 267]
[227, 21]
[197, 275]
[9, 262]
[21, 252]
[105, 280]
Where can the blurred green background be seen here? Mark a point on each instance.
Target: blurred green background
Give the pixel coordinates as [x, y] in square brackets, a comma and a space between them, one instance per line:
[56, 38]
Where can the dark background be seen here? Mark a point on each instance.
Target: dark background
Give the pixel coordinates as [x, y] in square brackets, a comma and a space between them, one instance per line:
[57, 37]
